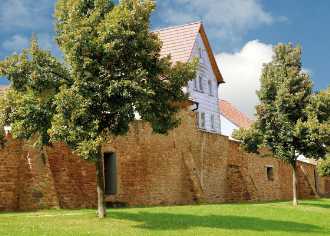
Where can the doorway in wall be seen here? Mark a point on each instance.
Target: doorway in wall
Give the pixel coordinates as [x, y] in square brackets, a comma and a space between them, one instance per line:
[110, 173]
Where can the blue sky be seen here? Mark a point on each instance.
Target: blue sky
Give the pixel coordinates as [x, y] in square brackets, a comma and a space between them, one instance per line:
[241, 32]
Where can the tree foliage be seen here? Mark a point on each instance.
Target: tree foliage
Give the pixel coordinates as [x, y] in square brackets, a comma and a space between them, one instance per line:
[112, 71]
[291, 120]
[323, 167]
[117, 71]
[28, 106]
[3, 119]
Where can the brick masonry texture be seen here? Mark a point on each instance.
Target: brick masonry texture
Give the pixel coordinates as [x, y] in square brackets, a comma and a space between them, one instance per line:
[186, 166]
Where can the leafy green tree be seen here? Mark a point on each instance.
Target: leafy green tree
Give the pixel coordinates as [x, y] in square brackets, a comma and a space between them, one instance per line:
[28, 106]
[117, 72]
[3, 118]
[291, 119]
[323, 167]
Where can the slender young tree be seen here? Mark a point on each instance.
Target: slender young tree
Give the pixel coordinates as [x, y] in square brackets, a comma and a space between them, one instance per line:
[117, 72]
[4, 110]
[321, 103]
[28, 106]
[290, 119]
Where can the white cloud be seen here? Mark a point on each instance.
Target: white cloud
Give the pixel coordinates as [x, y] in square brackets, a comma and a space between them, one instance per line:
[25, 14]
[16, 43]
[228, 19]
[19, 19]
[242, 71]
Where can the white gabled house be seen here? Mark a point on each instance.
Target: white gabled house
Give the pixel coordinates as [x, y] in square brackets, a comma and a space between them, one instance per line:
[184, 43]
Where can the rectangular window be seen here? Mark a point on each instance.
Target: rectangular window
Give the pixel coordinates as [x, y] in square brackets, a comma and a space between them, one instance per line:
[197, 119]
[201, 88]
[110, 173]
[195, 84]
[212, 122]
[201, 55]
[270, 173]
[202, 121]
[210, 88]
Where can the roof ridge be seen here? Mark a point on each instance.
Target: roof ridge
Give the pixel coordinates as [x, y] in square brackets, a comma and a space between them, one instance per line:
[178, 26]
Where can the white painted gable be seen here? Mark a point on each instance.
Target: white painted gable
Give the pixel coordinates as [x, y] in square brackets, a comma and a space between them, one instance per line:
[204, 89]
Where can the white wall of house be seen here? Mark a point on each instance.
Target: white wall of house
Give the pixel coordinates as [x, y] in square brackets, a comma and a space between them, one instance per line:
[227, 127]
[204, 90]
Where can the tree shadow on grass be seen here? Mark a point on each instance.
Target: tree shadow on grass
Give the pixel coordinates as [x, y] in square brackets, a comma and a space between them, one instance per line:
[167, 221]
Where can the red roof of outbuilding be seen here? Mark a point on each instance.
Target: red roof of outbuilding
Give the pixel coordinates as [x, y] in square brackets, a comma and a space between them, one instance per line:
[178, 41]
[234, 115]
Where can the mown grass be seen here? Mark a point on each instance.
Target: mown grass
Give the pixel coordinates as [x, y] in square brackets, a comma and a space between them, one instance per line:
[311, 218]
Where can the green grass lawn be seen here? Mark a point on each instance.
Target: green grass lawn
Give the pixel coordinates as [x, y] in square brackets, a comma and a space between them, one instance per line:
[312, 217]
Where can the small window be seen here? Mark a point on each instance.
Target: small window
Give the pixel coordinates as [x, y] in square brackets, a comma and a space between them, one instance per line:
[212, 122]
[270, 173]
[195, 84]
[202, 120]
[201, 88]
[197, 119]
[201, 54]
[210, 88]
[110, 173]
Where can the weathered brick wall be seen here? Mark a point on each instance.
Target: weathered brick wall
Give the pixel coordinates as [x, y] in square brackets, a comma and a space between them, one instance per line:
[152, 169]
[324, 186]
[36, 184]
[30, 180]
[306, 180]
[25, 178]
[248, 176]
[186, 166]
[74, 178]
[9, 162]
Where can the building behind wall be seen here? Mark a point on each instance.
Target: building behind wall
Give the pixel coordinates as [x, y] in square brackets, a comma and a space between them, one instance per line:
[232, 119]
[193, 163]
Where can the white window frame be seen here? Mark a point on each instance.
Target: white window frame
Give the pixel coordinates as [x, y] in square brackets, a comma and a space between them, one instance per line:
[202, 121]
[201, 87]
[210, 84]
[201, 54]
[212, 119]
[197, 119]
[195, 84]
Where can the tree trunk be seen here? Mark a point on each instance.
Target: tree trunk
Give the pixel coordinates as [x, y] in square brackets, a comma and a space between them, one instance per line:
[101, 210]
[294, 185]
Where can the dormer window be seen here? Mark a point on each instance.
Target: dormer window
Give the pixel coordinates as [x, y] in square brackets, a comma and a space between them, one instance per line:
[201, 88]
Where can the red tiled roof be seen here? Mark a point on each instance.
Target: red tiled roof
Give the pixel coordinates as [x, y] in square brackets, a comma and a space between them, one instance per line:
[234, 115]
[178, 41]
